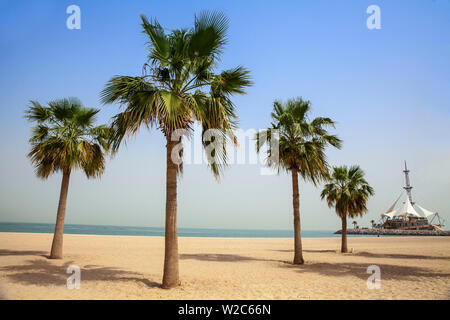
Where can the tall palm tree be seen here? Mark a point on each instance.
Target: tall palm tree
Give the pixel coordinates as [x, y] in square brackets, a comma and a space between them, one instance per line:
[65, 138]
[302, 145]
[179, 86]
[348, 192]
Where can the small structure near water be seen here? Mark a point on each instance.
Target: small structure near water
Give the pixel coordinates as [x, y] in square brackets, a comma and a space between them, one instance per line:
[396, 232]
[405, 220]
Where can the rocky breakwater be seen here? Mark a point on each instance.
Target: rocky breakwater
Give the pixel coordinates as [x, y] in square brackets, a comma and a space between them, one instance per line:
[396, 232]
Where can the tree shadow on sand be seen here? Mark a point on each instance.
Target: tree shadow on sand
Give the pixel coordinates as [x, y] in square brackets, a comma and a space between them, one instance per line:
[219, 257]
[311, 251]
[399, 256]
[44, 273]
[374, 255]
[388, 272]
[6, 252]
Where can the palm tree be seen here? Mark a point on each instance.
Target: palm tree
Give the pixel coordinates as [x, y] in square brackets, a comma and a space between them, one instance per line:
[372, 222]
[302, 145]
[179, 86]
[64, 139]
[355, 224]
[348, 192]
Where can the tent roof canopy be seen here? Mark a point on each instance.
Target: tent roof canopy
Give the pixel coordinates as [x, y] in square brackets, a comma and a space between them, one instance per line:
[407, 210]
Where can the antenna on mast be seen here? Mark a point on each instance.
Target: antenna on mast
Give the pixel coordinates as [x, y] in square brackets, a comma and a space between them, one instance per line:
[408, 186]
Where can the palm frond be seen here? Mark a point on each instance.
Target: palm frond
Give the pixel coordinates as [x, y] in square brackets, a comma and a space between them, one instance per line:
[208, 36]
[159, 45]
[64, 136]
[233, 81]
[347, 191]
[302, 142]
[37, 113]
[179, 84]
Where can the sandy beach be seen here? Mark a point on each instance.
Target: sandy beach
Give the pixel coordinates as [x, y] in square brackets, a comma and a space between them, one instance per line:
[126, 267]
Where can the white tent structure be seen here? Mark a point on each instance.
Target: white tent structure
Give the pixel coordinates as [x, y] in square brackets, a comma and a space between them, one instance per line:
[389, 214]
[426, 212]
[408, 210]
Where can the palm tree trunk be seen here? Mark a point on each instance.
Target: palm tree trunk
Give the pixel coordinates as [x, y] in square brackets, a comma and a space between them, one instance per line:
[344, 235]
[57, 244]
[298, 254]
[171, 276]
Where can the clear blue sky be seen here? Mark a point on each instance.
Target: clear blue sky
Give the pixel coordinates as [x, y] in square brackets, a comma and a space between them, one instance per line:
[388, 89]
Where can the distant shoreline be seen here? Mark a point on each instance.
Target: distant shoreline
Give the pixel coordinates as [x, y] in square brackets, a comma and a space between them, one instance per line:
[102, 230]
[47, 228]
[223, 238]
[162, 237]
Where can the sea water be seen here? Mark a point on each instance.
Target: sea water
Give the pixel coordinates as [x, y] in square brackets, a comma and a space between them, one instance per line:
[158, 231]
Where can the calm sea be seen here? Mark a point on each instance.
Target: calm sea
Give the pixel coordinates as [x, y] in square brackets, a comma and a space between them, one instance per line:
[151, 231]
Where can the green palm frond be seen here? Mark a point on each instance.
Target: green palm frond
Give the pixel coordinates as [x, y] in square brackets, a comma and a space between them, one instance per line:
[302, 142]
[208, 36]
[159, 43]
[347, 191]
[231, 81]
[65, 138]
[179, 85]
[36, 112]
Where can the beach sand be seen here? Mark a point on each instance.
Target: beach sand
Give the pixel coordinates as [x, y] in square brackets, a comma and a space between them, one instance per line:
[125, 267]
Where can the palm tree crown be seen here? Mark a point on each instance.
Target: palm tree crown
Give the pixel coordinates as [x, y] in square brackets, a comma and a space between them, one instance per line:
[300, 150]
[302, 142]
[179, 85]
[65, 138]
[347, 191]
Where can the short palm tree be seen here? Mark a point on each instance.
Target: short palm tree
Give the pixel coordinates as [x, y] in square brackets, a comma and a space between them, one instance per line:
[65, 138]
[179, 86]
[372, 222]
[301, 151]
[355, 224]
[348, 192]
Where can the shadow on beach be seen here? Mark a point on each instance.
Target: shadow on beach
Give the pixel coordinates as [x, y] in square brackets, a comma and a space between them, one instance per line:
[43, 272]
[335, 269]
[6, 252]
[399, 256]
[219, 257]
[375, 255]
[313, 251]
[388, 272]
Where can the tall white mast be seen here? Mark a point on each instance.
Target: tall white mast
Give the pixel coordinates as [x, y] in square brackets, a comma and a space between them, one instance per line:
[408, 186]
